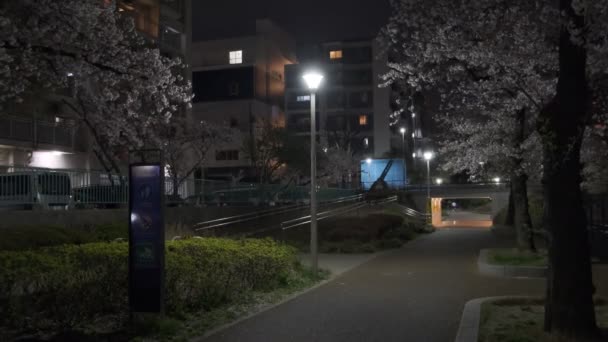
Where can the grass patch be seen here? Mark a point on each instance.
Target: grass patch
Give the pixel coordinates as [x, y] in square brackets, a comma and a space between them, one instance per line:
[521, 320]
[515, 257]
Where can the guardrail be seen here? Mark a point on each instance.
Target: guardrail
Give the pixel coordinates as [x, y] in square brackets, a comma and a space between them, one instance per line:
[414, 213]
[227, 221]
[335, 212]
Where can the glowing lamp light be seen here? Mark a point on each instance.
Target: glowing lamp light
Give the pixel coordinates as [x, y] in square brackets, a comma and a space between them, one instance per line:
[497, 180]
[414, 154]
[402, 130]
[313, 79]
[368, 160]
[439, 181]
[428, 155]
[133, 218]
[70, 74]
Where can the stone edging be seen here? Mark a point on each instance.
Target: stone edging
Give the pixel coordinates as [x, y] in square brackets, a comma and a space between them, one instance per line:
[508, 271]
[468, 330]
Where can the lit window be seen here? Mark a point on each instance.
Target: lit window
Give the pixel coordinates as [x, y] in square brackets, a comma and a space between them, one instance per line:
[362, 120]
[303, 98]
[236, 57]
[335, 54]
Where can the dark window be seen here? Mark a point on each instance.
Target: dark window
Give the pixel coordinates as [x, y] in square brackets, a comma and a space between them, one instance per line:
[225, 84]
[361, 99]
[227, 155]
[234, 89]
[358, 55]
[358, 77]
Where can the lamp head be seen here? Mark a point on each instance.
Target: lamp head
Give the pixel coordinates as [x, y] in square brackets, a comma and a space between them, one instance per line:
[428, 155]
[313, 79]
[402, 130]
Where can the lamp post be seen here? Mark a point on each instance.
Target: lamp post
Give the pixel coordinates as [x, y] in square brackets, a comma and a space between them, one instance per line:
[403, 130]
[313, 81]
[428, 156]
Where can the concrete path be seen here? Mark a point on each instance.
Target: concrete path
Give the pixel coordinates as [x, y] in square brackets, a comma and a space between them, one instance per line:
[337, 264]
[416, 293]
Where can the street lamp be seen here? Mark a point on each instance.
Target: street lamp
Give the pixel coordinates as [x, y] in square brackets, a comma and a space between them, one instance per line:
[439, 181]
[428, 156]
[313, 81]
[403, 130]
[497, 180]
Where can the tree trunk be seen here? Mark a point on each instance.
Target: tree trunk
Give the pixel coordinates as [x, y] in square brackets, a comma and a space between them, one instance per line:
[569, 309]
[522, 220]
[510, 218]
[519, 189]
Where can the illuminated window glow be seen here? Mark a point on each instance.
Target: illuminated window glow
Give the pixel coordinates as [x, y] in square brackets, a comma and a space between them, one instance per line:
[335, 54]
[235, 57]
[303, 98]
[362, 120]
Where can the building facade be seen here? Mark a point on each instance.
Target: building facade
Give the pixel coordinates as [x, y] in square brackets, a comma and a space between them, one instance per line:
[351, 108]
[43, 134]
[238, 83]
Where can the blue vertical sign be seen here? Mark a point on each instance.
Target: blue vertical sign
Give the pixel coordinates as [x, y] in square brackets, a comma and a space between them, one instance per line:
[146, 238]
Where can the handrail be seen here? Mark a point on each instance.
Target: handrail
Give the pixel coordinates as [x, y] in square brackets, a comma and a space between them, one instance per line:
[324, 215]
[264, 213]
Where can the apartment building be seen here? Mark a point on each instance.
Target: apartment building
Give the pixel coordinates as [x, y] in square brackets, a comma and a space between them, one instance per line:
[351, 105]
[239, 82]
[42, 134]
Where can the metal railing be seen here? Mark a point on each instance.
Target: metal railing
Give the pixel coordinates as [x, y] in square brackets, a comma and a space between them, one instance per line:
[36, 131]
[232, 220]
[334, 212]
[26, 187]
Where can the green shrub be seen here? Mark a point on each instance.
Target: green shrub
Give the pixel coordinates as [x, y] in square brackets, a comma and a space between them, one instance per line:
[66, 287]
[32, 237]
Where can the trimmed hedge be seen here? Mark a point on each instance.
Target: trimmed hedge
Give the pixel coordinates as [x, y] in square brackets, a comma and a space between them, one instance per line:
[68, 287]
[32, 237]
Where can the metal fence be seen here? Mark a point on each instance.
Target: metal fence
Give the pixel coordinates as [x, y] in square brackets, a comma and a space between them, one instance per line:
[26, 188]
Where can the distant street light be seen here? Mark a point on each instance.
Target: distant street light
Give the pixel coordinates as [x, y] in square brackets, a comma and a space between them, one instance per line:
[368, 160]
[439, 181]
[403, 130]
[313, 81]
[497, 180]
[428, 156]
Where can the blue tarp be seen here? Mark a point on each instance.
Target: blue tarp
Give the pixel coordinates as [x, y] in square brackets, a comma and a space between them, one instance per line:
[370, 172]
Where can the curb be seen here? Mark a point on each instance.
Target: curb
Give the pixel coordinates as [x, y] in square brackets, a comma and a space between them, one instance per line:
[286, 299]
[468, 330]
[508, 271]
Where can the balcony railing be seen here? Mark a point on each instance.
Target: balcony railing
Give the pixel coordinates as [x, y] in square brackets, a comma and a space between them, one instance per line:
[36, 131]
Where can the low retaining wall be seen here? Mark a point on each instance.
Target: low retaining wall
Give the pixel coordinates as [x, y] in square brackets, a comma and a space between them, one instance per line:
[90, 217]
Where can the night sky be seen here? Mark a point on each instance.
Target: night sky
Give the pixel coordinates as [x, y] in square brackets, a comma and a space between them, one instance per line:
[309, 21]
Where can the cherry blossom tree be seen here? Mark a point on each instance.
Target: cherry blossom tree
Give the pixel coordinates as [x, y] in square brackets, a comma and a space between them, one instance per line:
[120, 85]
[186, 146]
[546, 57]
[492, 64]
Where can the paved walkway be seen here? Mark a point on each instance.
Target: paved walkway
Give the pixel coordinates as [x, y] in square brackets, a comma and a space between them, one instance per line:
[416, 293]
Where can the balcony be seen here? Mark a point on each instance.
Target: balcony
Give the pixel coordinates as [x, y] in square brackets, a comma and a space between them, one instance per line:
[24, 131]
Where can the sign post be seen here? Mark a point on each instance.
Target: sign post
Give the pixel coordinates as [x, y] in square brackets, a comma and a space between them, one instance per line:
[146, 232]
